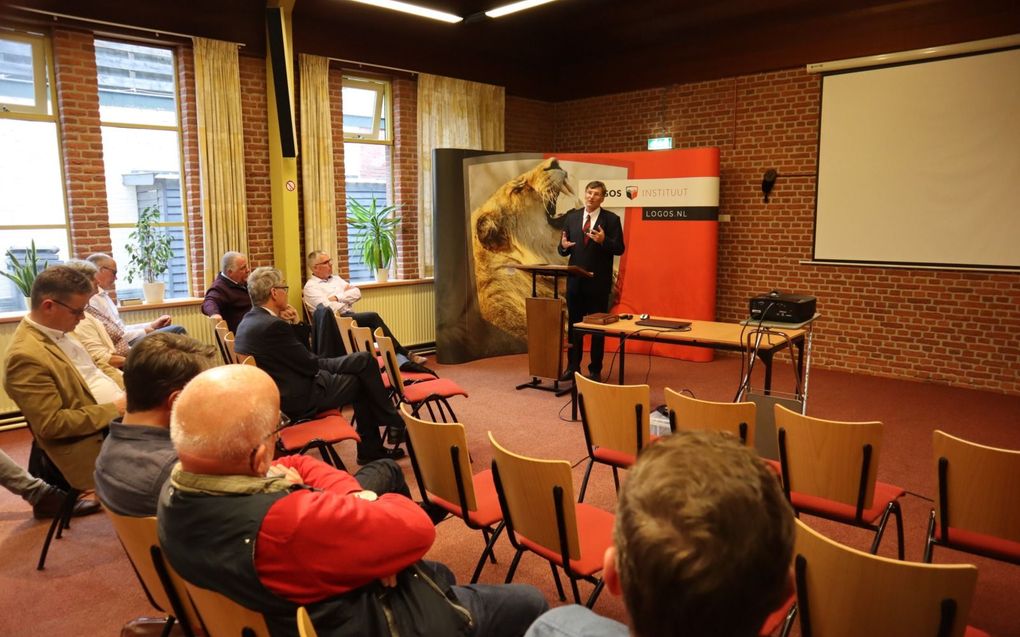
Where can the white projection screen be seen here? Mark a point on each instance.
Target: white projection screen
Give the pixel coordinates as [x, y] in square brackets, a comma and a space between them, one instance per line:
[920, 163]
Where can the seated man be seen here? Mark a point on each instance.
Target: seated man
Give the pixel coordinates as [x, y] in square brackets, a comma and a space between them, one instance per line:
[228, 298]
[104, 305]
[703, 545]
[309, 384]
[273, 536]
[137, 455]
[44, 498]
[91, 331]
[328, 289]
[66, 398]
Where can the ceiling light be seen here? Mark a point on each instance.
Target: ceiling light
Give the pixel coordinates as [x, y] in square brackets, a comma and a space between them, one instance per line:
[413, 9]
[514, 7]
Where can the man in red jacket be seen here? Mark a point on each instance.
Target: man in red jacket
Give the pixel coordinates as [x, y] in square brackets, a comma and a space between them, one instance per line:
[273, 535]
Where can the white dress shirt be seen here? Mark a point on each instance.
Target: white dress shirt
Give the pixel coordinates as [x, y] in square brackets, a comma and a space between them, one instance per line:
[317, 291]
[103, 303]
[92, 334]
[104, 389]
[594, 217]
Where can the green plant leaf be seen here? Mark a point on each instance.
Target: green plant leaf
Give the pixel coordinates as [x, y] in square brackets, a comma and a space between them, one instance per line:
[378, 228]
[149, 249]
[23, 274]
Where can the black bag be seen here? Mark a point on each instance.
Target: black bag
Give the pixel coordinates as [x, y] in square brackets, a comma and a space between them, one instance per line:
[422, 603]
[40, 466]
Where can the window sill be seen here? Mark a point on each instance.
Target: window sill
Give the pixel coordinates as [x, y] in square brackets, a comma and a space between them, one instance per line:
[14, 317]
[367, 285]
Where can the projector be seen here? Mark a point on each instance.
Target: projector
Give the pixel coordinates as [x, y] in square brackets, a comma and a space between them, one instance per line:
[782, 308]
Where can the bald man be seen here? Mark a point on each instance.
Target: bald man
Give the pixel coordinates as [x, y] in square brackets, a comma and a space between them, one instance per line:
[276, 535]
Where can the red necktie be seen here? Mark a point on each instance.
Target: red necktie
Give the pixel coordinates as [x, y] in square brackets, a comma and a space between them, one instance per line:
[586, 228]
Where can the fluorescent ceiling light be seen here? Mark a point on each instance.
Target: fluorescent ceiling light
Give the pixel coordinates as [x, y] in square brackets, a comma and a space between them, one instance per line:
[413, 9]
[514, 7]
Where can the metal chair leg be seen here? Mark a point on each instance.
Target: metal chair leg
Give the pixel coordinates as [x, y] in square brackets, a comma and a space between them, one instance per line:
[584, 482]
[616, 480]
[559, 584]
[929, 544]
[489, 543]
[595, 594]
[60, 521]
[513, 566]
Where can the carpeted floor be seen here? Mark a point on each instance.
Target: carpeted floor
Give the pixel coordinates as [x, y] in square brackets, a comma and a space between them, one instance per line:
[89, 588]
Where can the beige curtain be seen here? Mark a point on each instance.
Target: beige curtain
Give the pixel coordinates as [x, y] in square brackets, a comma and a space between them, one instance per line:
[220, 151]
[452, 114]
[317, 155]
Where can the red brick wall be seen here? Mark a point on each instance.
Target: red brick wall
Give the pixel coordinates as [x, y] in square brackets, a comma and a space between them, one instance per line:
[956, 328]
[74, 57]
[340, 260]
[191, 194]
[255, 122]
[405, 174]
[530, 125]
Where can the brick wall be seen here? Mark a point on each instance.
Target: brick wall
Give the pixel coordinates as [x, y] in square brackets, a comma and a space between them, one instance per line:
[255, 122]
[530, 125]
[405, 174]
[74, 58]
[950, 327]
[340, 260]
[191, 193]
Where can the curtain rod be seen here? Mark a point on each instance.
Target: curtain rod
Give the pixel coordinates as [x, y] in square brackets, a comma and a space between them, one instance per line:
[374, 66]
[156, 32]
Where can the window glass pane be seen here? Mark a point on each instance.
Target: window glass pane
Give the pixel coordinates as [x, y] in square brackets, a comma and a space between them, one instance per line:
[17, 73]
[368, 174]
[51, 246]
[362, 110]
[31, 187]
[137, 159]
[176, 278]
[136, 84]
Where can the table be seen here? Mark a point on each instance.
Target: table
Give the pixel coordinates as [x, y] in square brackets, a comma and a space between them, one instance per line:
[770, 338]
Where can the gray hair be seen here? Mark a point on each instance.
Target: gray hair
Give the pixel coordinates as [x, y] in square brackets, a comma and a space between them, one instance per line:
[261, 282]
[312, 256]
[228, 261]
[98, 259]
[87, 268]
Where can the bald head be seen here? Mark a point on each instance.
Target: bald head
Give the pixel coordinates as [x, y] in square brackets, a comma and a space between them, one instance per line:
[222, 415]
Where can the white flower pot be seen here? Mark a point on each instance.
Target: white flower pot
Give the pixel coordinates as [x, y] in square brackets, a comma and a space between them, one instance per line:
[382, 275]
[154, 292]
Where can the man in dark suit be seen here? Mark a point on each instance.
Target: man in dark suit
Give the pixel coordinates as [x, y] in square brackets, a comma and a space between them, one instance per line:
[591, 237]
[309, 384]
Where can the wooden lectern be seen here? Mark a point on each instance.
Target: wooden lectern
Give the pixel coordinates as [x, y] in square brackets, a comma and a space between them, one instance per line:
[546, 322]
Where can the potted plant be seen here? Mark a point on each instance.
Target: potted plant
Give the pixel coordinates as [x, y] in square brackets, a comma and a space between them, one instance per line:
[378, 228]
[23, 273]
[149, 254]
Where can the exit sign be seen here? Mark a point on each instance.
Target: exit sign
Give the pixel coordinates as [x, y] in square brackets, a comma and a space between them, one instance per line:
[660, 143]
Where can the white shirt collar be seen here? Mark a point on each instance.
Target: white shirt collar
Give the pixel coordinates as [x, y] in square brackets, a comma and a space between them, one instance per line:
[54, 335]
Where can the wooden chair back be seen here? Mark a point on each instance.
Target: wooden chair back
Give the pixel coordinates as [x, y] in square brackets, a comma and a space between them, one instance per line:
[233, 356]
[686, 413]
[824, 457]
[223, 617]
[140, 540]
[613, 414]
[850, 592]
[362, 339]
[528, 489]
[221, 330]
[981, 483]
[389, 354]
[436, 448]
[304, 623]
[249, 360]
[344, 324]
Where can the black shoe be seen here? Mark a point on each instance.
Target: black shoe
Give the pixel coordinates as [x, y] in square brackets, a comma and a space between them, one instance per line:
[411, 366]
[382, 454]
[435, 512]
[567, 376]
[49, 505]
[395, 434]
[595, 376]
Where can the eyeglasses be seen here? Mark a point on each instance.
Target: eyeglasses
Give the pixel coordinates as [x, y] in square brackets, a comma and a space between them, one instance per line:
[326, 262]
[109, 269]
[281, 287]
[76, 312]
[271, 437]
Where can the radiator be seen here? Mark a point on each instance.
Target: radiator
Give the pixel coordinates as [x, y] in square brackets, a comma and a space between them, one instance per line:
[409, 310]
[189, 315]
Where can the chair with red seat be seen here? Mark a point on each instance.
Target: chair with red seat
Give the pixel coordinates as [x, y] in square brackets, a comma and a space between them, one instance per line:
[536, 497]
[736, 419]
[362, 339]
[615, 423]
[442, 468]
[843, 592]
[977, 510]
[436, 391]
[829, 470]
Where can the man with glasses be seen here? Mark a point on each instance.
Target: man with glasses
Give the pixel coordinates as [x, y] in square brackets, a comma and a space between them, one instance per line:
[310, 384]
[66, 398]
[137, 455]
[328, 289]
[105, 305]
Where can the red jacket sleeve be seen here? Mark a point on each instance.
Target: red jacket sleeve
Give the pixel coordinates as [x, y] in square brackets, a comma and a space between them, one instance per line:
[318, 544]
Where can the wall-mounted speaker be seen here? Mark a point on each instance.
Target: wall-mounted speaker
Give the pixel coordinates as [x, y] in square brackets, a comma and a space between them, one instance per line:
[278, 58]
[768, 181]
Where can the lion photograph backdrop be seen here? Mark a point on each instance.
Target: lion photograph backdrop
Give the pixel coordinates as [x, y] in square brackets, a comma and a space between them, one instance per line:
[494, 210]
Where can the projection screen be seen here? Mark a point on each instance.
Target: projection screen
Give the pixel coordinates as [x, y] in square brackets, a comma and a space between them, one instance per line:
[920, 163]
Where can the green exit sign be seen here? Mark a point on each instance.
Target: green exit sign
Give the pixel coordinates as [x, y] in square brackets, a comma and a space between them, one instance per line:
[660, 143]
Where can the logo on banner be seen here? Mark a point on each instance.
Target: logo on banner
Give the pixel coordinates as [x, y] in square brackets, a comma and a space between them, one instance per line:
[632, 192]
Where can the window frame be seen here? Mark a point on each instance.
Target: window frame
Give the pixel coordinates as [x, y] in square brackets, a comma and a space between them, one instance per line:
[178, 128]
[42, 74]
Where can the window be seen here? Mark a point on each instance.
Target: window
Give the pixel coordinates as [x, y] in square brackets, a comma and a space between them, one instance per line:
[142, 152]
[368, 154]
[32, 202]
